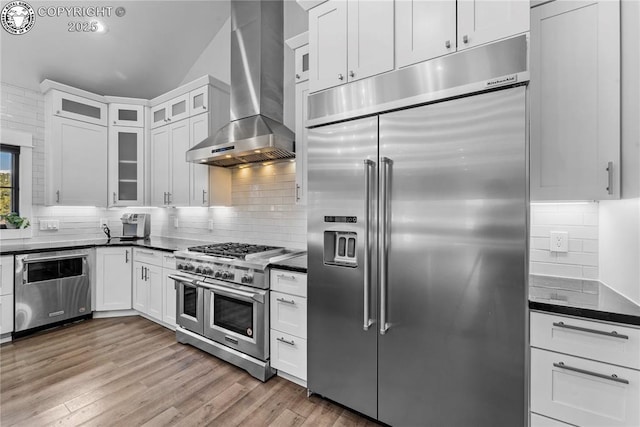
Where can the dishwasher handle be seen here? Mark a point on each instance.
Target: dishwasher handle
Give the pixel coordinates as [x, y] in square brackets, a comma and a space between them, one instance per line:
[53, 258]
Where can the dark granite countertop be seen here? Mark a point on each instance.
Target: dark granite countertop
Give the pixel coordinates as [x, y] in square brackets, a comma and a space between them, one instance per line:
[585, 298]
[168, 244]
[298, 264]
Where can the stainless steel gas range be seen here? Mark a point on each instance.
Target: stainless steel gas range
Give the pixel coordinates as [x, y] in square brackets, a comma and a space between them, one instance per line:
[223, 302]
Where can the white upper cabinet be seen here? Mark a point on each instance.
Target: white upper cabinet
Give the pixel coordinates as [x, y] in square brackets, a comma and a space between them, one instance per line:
[302, 63]
[199, 129]
[169, 168]
[126, 115]
[349, 40]
[302, 92]
[370, 38]
[75, 163]
[483, 21]
[199, 100]
[328, 45]
[126, 170]
[575, 101]
[79, 108]
[171, 111]
[424, 30]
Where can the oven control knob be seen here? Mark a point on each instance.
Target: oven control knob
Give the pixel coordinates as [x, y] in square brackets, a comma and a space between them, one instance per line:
[189, 267]
[199, 269]
[247, 279]
[218, 274]
[226, 275]
[180, 266]
[207, 271]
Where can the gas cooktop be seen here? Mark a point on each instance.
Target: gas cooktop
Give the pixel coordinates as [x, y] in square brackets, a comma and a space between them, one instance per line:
[237, 250]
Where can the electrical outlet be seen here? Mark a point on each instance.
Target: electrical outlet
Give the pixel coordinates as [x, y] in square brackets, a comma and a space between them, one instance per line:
[559, 241]
[103, 222]
[210, 225]
[175, 222]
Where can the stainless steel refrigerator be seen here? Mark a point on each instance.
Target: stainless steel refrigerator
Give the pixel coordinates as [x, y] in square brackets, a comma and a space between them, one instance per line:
[417, 248]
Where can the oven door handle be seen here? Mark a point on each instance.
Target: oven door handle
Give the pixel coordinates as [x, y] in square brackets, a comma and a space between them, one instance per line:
[183, 279]
[53, 258]
[233, 293]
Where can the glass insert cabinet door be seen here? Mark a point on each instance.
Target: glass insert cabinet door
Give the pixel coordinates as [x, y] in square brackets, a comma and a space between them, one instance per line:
[126, 166]
[126, 115]
[79, 108]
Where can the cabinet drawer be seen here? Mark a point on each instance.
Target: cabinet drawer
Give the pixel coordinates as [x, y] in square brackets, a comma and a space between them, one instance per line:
[6, 275]
[6, 314]
[583, 392]
[148, 256]
[608, 343]
[289, 314]
[289, 282]
[540, 421]
[168, 261]
[289, 354]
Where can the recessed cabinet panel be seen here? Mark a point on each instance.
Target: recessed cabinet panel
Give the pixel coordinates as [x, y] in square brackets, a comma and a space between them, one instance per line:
[178, 146]
[126, 115]
[482, 21]
[199, 173]
[79, 108]
[159, 165]
[575, 101]
[77, 150]
[328, 45]
[113, 278]
[584, 392]
[424, 30]
[370, 38]
[302, 92]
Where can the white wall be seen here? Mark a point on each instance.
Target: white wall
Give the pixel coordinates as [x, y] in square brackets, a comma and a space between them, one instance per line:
[214, 59]
[580, 220]
[620, 246]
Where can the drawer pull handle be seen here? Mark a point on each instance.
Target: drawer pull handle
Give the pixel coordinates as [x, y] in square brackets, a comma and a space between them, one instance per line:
[292, 342]
[288, 301]
[613, 334]
[612, 377]
[285, 277]
[146, 253]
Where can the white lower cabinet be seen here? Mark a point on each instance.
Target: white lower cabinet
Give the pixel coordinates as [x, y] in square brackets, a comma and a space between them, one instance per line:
[583, 372]
[6, 296]
[288, 316]
[584, 392]
[113, 278]
[148, 291]
[169, 289]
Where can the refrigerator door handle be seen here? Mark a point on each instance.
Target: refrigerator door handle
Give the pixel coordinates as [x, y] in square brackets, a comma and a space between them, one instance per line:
[385, 162]
[368, 166]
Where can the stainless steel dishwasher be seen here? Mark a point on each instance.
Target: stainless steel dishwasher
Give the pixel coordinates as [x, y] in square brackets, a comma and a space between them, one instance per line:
[51, 288]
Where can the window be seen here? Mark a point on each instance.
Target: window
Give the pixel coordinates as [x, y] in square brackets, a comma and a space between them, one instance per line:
[9, 186]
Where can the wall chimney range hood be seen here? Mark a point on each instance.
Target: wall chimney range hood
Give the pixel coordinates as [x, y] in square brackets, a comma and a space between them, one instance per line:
[256, 132]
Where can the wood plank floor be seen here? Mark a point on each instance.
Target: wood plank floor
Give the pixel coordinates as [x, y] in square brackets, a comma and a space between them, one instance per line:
[129, 371]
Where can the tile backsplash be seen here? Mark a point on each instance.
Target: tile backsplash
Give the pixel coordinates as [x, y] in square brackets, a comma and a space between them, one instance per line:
[580, 221]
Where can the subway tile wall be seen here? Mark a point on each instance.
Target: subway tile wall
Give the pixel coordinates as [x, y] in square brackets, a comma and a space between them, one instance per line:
[23, 110]
[580, 220]
[263, 197]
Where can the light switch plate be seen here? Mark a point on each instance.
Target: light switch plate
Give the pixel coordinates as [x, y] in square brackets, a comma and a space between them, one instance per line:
[559, 241]
[210, 225]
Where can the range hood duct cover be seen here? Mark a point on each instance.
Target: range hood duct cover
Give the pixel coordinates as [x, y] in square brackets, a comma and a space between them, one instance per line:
[256, 132]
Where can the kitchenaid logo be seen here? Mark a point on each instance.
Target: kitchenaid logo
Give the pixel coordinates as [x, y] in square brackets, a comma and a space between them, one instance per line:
[502, 81]
[18, 17]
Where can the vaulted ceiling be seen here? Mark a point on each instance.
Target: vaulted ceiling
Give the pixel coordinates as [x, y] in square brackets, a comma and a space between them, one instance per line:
[142, 54]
